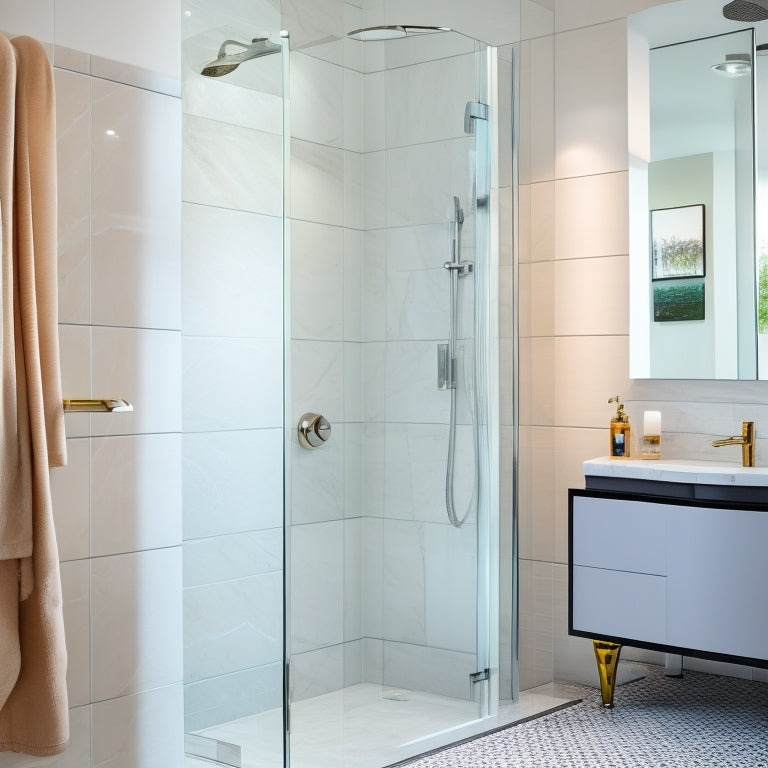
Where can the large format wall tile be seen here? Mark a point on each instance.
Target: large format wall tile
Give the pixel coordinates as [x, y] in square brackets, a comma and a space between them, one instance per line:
[73, 156]
[144, 367]
[135, 493]
[70, 495]
[75, 588]
[591, 100]
[317, 90]
[222, 163]
[232, 283]
[136, 618]
[232, 482]
[317, 183]
[233, 625]
[145, 729]
[136, 223]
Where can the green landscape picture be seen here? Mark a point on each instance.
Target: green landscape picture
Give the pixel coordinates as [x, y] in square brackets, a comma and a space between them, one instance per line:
[678, 302]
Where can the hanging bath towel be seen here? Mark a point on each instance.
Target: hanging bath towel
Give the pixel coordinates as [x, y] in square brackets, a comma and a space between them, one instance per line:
[33, 706]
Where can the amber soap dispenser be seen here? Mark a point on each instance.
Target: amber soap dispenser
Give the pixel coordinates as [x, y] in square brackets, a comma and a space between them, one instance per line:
[620, 431]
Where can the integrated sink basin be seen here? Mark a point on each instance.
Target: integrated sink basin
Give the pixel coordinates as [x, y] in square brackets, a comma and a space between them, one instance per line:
[678, 478]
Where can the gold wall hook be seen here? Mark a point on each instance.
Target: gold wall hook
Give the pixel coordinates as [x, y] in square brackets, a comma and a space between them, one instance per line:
[104, 405]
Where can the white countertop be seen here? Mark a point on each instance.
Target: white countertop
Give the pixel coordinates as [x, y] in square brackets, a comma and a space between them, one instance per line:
[674, 471]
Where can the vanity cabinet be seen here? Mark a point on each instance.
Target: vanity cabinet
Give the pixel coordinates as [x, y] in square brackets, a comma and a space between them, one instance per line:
[680, 574]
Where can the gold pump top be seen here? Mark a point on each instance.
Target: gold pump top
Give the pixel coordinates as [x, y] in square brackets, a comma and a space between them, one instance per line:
[620, 417]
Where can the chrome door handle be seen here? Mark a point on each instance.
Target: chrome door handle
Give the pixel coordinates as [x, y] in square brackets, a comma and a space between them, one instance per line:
[314, 430]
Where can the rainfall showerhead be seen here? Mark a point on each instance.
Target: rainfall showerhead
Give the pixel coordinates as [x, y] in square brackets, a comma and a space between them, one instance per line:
[227, 62]
[368, 34]
[746, 10]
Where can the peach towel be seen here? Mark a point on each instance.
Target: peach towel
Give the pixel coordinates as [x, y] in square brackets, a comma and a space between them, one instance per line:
[33, 694]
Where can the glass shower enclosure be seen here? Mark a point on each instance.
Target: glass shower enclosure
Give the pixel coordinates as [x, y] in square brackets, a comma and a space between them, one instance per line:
[340, 511]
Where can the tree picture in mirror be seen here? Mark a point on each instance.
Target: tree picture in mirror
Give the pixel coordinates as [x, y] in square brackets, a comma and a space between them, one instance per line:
[677, 242]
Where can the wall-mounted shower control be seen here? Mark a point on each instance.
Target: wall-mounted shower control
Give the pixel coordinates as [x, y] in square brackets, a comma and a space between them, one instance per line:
[314, 430]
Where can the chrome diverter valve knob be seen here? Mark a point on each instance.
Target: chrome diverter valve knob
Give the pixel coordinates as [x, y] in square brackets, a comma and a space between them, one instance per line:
[314, 430]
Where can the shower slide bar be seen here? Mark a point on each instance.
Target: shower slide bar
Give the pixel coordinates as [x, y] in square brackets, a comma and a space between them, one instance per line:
[105, 405]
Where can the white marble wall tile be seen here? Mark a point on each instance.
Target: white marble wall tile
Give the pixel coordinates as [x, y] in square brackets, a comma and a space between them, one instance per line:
[374, 111]
[232, 625]
[373, 469]
[421, 247]
[222, 163]
[592, 216]
[588, 370]
[353, 582]
[353, 284]
[425, 102]
[317, 573]
[232, 482]
[135, 493]
[401, 53]
[414, 472]
[231, 383]
[354, 189]
[590, 100]
[76, 755]
[505, 164]
[318, 379]
[353, 663]
[313, 21]
[147, 34]
[433, 670]
[373, 660]
[240, 14]
[232, 556]
[353, 382]
[374, 285]
[145, 729]
[233, 273]
[403, 582]
[354, 468]
[374, 389]
[317, 281]
[536, 18]
[229, 697]
[136, 622]
[316, 672]
[317, 183]
[75, 362]
[411, 383]
[317, 100]
[417, 304]
[70, 494]
[451, 586]
[135, 224]
[34, 18]
[317, 480]
[73, 157]
[373, 543]
[447, 166]
[580, 13]
[374, 190]
[591, 296]
[353, 110]
[75, 588]
[144, 367]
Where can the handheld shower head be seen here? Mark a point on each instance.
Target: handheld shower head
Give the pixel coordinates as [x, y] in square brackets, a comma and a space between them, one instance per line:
[458, 212]
[228, 62]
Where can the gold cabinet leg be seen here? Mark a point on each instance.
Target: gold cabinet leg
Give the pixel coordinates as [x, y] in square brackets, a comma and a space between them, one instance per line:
[607, 655]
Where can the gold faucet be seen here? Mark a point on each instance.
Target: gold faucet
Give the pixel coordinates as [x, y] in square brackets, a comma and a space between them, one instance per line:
[746, 441]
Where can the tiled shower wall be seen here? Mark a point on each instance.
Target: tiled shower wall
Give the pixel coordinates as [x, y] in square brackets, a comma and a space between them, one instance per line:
[117, 504]
[574, 289]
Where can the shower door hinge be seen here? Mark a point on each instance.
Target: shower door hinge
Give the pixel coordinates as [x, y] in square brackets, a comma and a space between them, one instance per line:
[477, 677]
[475, 110]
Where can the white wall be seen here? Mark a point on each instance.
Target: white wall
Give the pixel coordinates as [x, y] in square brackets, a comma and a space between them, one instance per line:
[117, 504]
[574, 321]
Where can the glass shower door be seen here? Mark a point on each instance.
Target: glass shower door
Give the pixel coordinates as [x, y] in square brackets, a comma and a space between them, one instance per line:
[389, 520]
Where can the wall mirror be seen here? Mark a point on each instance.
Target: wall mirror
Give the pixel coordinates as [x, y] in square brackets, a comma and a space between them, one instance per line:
[695, 244]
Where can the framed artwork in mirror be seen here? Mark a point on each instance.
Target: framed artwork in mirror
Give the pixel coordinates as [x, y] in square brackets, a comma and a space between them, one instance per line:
[677, 242]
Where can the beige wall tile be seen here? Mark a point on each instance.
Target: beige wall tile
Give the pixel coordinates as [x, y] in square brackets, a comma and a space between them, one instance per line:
[542, 211]
[542, 298]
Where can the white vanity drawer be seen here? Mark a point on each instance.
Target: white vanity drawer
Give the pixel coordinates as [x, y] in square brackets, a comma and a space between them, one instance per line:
[620, 604]
[620, 534]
